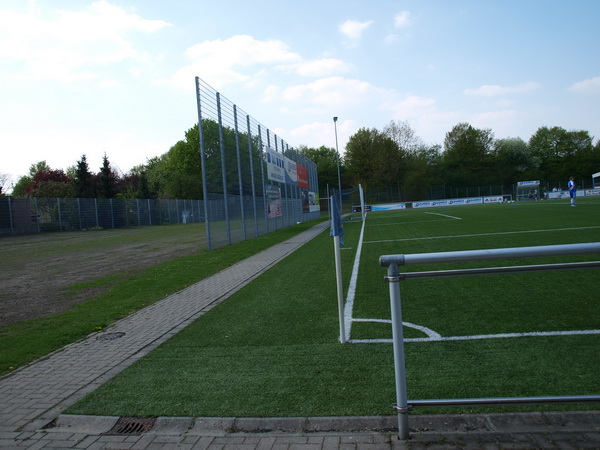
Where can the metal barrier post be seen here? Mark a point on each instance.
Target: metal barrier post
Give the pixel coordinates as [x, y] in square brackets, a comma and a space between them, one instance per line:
[398, 339]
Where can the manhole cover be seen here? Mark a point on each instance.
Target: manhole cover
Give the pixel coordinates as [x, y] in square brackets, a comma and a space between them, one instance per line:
[110, 336]
[131, 426]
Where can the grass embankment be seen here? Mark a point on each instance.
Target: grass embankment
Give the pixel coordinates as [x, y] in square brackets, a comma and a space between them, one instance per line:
[24, 342]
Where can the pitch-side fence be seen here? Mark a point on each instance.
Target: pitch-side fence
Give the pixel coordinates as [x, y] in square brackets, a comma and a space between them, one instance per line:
[259, 181]
[36, 215]
[393, 262]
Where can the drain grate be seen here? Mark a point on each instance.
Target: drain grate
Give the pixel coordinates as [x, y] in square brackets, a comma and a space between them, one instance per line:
[110, 336]
[131, 426]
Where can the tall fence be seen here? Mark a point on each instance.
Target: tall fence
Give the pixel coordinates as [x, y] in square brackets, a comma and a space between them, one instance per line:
[254, 181]
[36, 215]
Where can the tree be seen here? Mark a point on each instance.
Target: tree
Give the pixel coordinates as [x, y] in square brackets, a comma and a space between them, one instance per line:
[83, 182]
[373, 159]
[558, 151]
[466, 155]
[21, 187]
[5, 182]
[424, 170]
[50, 184]
[326, 160]
[107, 180]
[404, 136]
[512, 161]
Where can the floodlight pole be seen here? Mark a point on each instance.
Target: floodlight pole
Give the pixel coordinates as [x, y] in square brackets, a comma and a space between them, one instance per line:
[338, 161]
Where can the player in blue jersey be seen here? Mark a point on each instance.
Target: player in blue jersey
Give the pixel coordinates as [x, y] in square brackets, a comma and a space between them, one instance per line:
[572, 190]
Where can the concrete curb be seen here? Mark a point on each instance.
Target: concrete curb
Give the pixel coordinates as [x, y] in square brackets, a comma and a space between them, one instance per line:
[537, 422]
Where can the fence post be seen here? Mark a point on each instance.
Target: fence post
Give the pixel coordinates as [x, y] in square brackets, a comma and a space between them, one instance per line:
[37, 216]
[79, 213]
[398, 340]
[112, 214]
[12, 230]
[59, 214]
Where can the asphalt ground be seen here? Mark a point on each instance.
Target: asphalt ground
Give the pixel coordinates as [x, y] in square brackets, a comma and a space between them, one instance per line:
[33, 398]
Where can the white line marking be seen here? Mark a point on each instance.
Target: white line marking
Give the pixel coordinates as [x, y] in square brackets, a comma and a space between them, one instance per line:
[352, 287]
[479, 336]
[443, 215]
[482, 234]
[407, 223]
[428, 331]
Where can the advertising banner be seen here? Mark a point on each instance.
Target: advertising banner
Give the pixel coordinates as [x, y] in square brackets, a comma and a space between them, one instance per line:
[274, 207]
[310, 201]
[529, 183]
[452, 202]
[302, 176]
[275, 166]
[496, 199]
[386, 207]
[291, 174]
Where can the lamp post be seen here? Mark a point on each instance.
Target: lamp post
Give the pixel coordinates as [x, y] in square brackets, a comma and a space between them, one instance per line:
[338, 161]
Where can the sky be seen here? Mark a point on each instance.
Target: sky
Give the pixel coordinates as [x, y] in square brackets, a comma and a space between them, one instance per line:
[116, 77]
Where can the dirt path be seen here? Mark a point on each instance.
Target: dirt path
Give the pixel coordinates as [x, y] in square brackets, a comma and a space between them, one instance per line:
[35, 270]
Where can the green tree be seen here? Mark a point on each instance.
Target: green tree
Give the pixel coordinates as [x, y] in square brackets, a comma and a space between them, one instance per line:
[466, 155]
[326, 160]
[107, 180]
[512, 161]
[373, 159]
[155, 174]
[20, 188]
[424, 170]
[562, 153]
[83, 181]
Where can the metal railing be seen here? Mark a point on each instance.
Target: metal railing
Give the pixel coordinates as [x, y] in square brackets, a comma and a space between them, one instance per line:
[393, 262]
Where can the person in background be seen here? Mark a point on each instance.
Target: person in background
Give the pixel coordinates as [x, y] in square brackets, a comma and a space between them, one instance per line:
[572, 190]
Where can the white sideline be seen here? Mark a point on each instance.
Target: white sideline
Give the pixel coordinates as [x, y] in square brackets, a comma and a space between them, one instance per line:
[349, 306]
[483, 234]
[443, 215]
[474, 337]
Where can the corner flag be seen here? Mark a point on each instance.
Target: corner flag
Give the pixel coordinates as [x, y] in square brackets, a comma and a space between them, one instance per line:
[337, 229]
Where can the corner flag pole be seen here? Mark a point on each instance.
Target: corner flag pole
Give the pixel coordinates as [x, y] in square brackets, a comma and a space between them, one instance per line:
[337, 231]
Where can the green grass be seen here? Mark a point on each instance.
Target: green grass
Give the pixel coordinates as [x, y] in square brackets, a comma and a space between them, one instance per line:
[26, 341]
[272, 348]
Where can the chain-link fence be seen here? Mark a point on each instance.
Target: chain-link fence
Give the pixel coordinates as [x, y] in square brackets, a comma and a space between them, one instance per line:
[36, 215]
[253, 181]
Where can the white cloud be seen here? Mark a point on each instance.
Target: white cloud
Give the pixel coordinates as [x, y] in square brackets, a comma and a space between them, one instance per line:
[316, 134]
[354, 29]
[332, 92]
[218, 62]
[589, 86]
[70, 45]
[318, 67]
[496, 90]
[402, 19]
[409, 107]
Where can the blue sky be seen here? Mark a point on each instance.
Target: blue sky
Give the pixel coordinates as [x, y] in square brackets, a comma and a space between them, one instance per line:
[117, 76]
